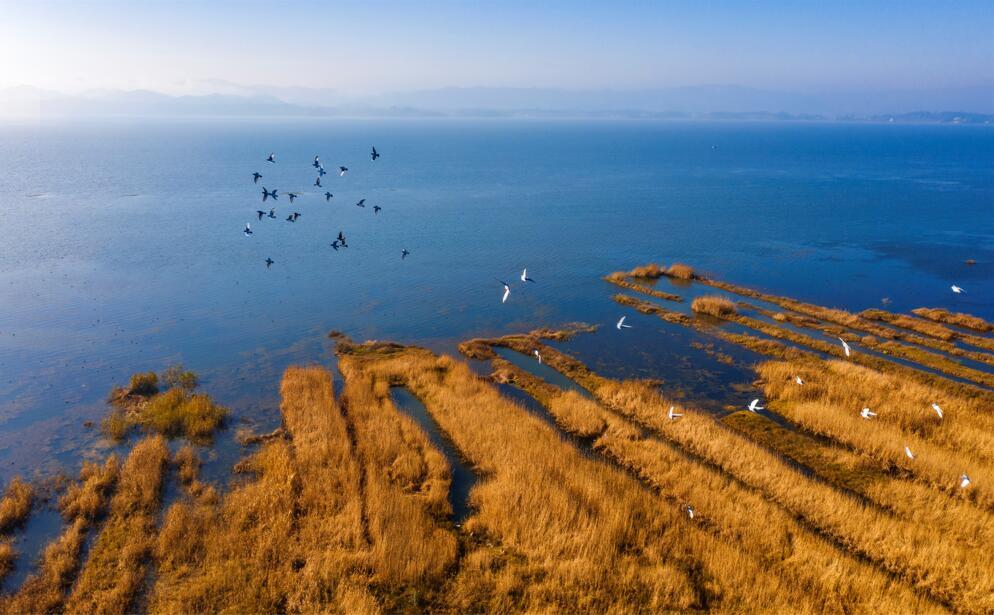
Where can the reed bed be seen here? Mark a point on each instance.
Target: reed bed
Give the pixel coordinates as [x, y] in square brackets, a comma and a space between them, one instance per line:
[928, 327]
[82, 506]
[406, 486]
[293, 538]
[115, 570]
[623, 280]
[591, 537]
[829, 404]
[714, 305]
[733, 512]
[923, 556]
[15, 506]
[966, 321]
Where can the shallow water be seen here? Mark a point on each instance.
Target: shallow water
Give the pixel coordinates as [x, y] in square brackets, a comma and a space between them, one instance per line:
[121, 247]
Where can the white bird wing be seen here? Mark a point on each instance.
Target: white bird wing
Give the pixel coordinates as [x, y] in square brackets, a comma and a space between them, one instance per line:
[907, 451]
[524, 274]
[507, 291]
[937, 409]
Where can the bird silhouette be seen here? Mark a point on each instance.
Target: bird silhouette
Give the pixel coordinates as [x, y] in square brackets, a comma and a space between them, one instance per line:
[271, 158]
[256, 177]
[404, 254]
[261, 213]
[376, 209]
[342, 171]
[266, 194]
[361, 203]
[374, 155]
[327, 196]
[269, 262]
[292, 196]
[248, 230]
[317, 182]
[317, 163]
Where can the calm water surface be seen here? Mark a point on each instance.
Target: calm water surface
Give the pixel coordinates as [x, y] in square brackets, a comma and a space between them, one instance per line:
[121, 246]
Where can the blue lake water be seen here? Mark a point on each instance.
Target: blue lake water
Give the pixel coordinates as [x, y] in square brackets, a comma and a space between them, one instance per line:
[121, 245]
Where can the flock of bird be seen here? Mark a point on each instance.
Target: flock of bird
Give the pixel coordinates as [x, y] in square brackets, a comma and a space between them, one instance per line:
[267, 194]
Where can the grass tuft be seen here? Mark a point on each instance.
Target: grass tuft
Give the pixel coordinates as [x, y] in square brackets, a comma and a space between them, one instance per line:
[714, 305]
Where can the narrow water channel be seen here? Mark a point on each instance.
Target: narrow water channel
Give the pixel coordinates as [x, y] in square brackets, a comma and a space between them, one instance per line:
[463, 477]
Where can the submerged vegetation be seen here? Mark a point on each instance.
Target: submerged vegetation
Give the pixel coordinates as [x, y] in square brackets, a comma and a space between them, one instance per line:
[176, 411]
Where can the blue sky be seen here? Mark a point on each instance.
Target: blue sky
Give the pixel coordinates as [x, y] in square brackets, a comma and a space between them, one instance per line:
[366, 47]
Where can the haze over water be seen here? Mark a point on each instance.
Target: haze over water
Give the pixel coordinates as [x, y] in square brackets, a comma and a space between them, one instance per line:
[121, 247]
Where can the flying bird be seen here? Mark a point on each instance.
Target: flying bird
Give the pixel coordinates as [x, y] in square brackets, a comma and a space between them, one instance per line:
[327, 196]
[376, 209]
[867, 414]
[341, 237]
[261, 213]
[507, 291]
[754, 406]
[266, 194]
[248, 230]
[292, 196]
[374, 155]
[361, 203]
[403, 254]
[272, 214]
[964, 481]
[673, 415]
[908, 453]
[538, 355]
[321, 172]
[937, 409]
[957, 289]
[269, 262]
[317, 182]
[317, 163]
[621, 324]
[690, 510]
[798, 380]
[342, 171]
[334, 244]
[524, 276]
[290, 218]
[271, 157]
[256, 177]
[295, 216]
[846, 347]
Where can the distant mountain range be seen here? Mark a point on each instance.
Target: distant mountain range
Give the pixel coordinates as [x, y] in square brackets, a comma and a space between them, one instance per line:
[217, 98]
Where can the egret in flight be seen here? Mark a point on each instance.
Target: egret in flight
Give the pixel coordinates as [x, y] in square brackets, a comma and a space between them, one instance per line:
[867, 414]
[621, 324]
[846, 347]
[507, 291]
[957, 289]
[673, 415]
[908, 453]
[248, 230]
[754, 406]
[538, 355]
[964, 481]
[798, 380]
[524, 276]
[937, 409]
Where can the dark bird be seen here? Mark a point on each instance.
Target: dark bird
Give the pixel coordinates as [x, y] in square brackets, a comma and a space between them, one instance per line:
[322, 172]
[248, 229]
[295, 216]
[292, 196]
[374, 155]
[290, 218]
[327, 196]
[317, 182]
[256, 177]
[376, 209]
[272, 214]
[342, 171]
[334, 244]
[341, 237]
[271, 158]
[269, 262]
[361, 203]
[317, 163]
[261, 213]
[404, 252]
[267, 194]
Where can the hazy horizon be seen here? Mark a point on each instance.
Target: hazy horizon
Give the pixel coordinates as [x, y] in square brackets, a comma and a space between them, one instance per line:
[373, 49]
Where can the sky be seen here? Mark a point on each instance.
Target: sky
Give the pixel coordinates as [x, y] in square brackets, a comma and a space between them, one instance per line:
[373, 47]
